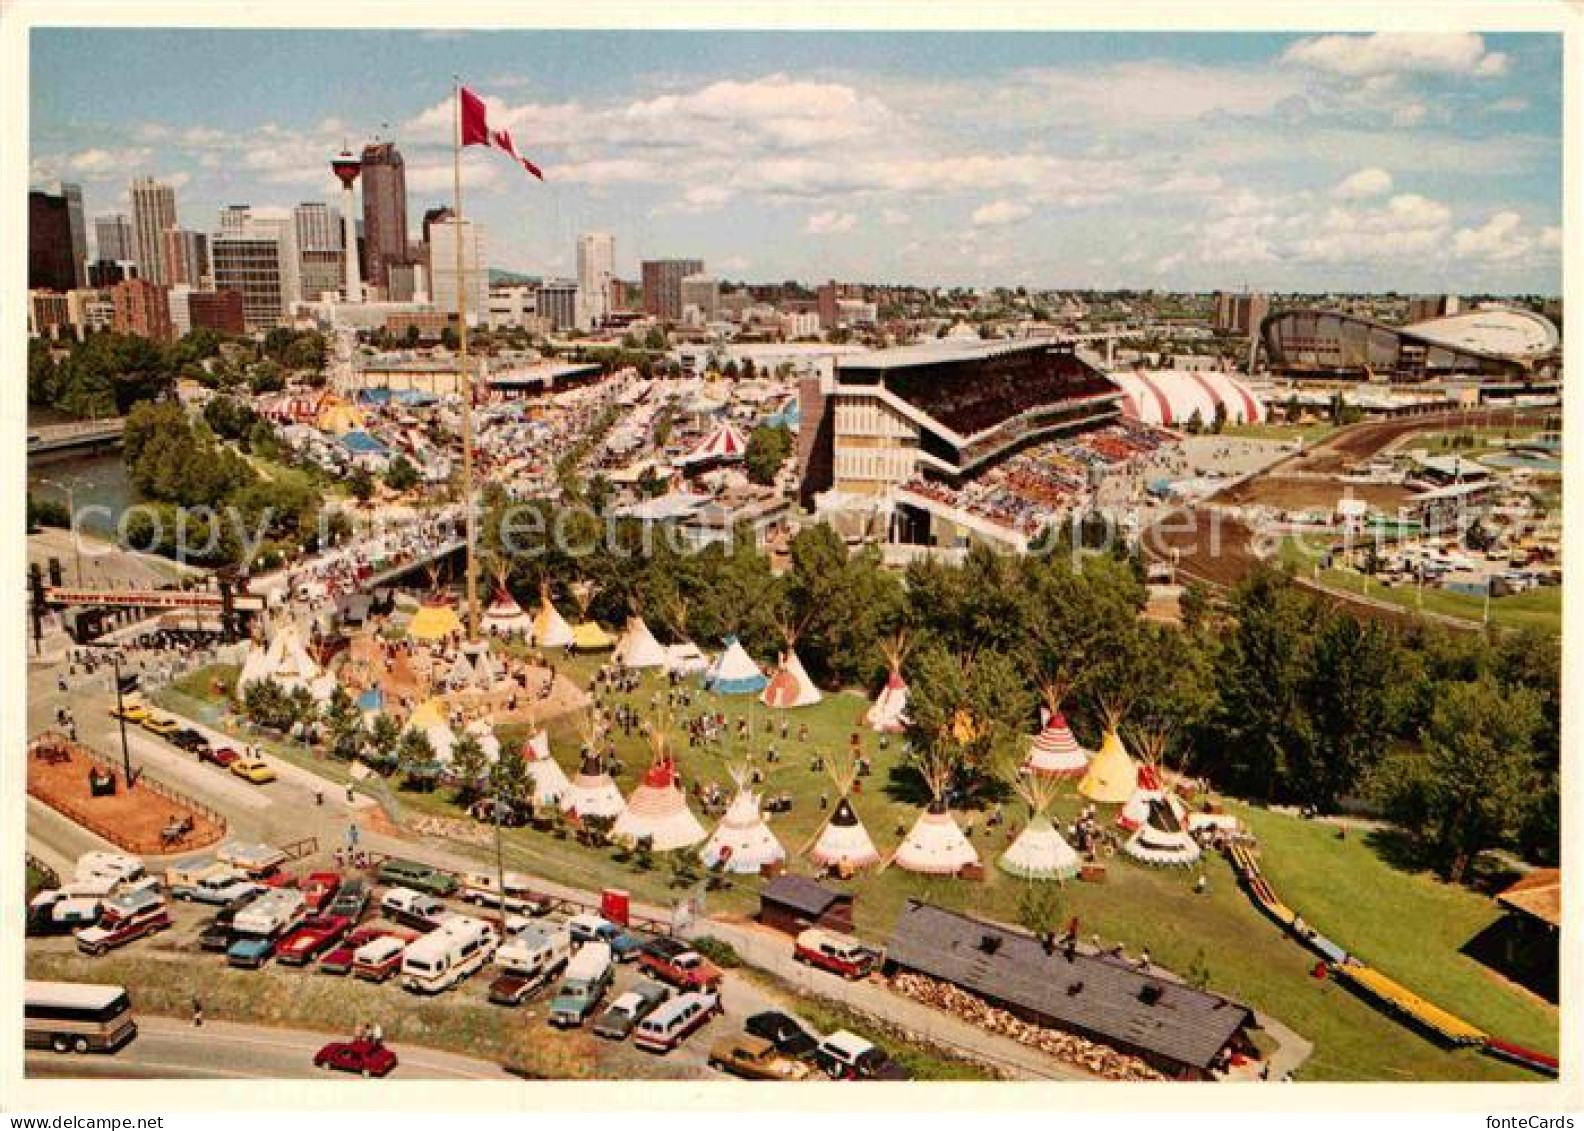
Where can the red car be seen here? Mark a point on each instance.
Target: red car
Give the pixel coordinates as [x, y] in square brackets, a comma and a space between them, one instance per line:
[339, 959]
[316, 935]
[363, 1057]
[679, 965]
[319, 889]
[221, 756]
[275, 877]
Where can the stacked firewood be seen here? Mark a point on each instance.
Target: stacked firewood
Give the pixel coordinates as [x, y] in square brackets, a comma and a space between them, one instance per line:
[468, 832]
[1094, 1058]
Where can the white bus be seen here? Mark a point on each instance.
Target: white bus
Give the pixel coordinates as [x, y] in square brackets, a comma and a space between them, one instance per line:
[77, 1017]
[446, 955]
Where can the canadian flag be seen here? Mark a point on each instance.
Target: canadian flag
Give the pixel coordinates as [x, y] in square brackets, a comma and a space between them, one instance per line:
[476, 131]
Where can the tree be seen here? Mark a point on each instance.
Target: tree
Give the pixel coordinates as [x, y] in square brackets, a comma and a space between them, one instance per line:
[360, 484]
[401, 475]
[768, 448]
[468, 764]
[1347, 692]
[1471, 785]
[1040, 910]
[385, 740]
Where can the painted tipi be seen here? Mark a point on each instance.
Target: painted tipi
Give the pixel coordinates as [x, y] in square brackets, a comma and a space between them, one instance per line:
[550, 784]
[935, 845]
[1112, 773]
[734, 672]
[657, 809]
[791, 685]
[888, 713]
[742, 842]
[1161, 838]
[593, 792]
[843, 844]
[504, 616]
[1054, 752]
[1040, 852]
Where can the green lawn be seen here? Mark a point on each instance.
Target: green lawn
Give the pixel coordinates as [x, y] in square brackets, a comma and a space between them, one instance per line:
[1310, 433]
[1247, 957]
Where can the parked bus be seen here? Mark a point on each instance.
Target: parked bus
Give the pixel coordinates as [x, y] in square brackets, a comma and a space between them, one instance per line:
[77, 1017]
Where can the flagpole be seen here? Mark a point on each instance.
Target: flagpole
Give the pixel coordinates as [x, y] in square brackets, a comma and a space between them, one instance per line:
[464, 381]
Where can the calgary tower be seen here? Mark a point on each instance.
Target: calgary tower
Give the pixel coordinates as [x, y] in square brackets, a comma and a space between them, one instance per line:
[346, 168]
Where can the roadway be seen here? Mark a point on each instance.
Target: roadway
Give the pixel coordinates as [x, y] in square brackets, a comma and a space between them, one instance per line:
[169, 1049]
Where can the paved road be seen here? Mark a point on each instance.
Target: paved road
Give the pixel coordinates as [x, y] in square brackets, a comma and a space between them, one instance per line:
[166, 1048]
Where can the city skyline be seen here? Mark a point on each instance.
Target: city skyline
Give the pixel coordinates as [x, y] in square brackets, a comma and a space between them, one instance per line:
[1283, 162]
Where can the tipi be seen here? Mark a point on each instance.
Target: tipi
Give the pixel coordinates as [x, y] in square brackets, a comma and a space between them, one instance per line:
[504, 616]
[734, 672]
[587, 635]
[638, 648]
[429, 717]
[1054, 752]
[657, 809]
[283, 659]
[1039, 852]
[593, 792]
[684, 657]
[844, 844]
[742, 842]
[550, 785]
[888, 713]
[935, 845]
[791, 685]
[435, 618]
[1112, 773]
[1161, 838]
[550, 628]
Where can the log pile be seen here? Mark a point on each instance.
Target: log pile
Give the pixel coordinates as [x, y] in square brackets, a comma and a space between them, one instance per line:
[1098, 1059]
[467, 832]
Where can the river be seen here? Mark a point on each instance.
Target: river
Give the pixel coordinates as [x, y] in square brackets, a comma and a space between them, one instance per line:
[97, 480]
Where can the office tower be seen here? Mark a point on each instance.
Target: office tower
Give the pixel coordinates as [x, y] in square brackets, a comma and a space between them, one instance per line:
[49, 243]
[596, 268]
[318, 226]
[662, 285]
[142, 309]
[259, 261]
[234, 217]
[1240, 313]
[384, 211]
[153, 210]
[556, 301]
[186, 257]
[700, 293]
[79, 232]
[346, 167]
[321, 262]
[113, 238]
[216, 310]
[443, 255]
[106, 273]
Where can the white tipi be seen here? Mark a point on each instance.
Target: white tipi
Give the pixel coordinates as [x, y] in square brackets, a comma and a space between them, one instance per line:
[791, 685]
[550, 628]
[742, 842]
[638, 648]
[888, 713]
[843, 844]
[504, 616]
[657, 809]
[1161, 838]
[593, 792]
[734, 672]
[935, 845]
[1040, 852]
[550, 784]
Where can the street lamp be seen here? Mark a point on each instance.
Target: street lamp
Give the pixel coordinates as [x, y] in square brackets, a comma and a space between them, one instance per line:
[71, 523]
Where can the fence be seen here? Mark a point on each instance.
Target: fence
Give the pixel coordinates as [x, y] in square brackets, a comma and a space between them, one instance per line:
[50, 877]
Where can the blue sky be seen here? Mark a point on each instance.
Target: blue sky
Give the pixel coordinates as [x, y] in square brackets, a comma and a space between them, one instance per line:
[1348, 162]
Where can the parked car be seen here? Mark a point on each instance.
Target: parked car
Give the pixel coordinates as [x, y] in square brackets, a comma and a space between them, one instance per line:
[340, 958]
[754, 1058]
[126, 917]
[131, 712]
[630, 1008]
[319, 889]
[419, 877]
[311, 938]
[254, 769]
[189, 740]
[785, 1033]
[588, 977]
[671, 1024]
[351, 899]
[219, 888]
[847, 1056]
[625, 946]
[415, 909]
[836, 953]
[678, 964]
[222, 756]
[156, 722]
[363, 1057]
[514, 989]
[482, 888]
[249, 952]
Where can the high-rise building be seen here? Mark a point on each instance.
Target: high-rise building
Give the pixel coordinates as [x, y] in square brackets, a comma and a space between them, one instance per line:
[142, 309]
[321, 268]
[106, 273]
[1422, 308]
[556, 301]
[186, 257]
[79, 232]
[596, 268]
[235, 217]
[662, 286]
[701, 295]
[443, 235]
[153, 210]
[259, 261]
[431, 217]
[217, 310]
[49, 243]
[318, 226]
[384, 211]
[113, 237]
[1240, 313]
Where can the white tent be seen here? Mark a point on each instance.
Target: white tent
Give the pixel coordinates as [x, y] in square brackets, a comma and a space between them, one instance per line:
[888, 713]
[481, 730]
[1054, 752]
[550, 785]
[742, 842]
[844, 844]
[791, 685]
[638, 648]
[734, 672]
[473, 668]
[550, 628]
[283, 659]
[1163, 839]
[1040, 852]
[935, 846]
[658, 810]
[686, 658]
[593, 792]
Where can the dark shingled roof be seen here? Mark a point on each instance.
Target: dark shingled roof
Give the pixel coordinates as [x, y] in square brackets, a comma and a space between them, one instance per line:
[799, 893]
[1101, 997]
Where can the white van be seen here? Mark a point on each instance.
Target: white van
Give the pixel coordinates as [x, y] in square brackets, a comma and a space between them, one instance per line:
[115, 864]
[377, 960]
[413, 908]
[667, 1026]
[446, 955]
[538, 953]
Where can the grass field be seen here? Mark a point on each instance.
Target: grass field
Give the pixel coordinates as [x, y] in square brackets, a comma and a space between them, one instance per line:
[1410, 925]
[1310, 433]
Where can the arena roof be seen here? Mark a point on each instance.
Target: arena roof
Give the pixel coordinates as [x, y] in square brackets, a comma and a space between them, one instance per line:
[1170, 397]
[1501, 331]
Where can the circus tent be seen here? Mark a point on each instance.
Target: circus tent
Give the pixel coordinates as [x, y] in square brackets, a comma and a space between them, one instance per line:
[935, 846]
[724, 443]
[734, 672]
[638, 648]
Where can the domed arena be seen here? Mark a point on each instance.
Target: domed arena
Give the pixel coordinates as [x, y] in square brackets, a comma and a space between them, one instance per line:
[1169, 398]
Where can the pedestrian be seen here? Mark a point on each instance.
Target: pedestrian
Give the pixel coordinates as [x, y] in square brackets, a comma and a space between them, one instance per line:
[377, 1035]
[197, 1013]
[1201, 884]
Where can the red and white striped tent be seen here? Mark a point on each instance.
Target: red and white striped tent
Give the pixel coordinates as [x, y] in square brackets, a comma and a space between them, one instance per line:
[725, 443]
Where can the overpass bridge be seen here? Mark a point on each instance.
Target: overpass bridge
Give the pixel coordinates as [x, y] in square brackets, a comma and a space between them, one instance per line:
[51, 439]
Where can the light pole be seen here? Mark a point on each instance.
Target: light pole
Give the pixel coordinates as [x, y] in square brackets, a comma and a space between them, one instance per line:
[71, 523]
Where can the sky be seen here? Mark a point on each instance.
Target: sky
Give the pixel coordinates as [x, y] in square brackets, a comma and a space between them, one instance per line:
[1069, 160]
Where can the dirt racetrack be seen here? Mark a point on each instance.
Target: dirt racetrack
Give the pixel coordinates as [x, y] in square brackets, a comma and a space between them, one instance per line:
[1358, 442]
[1211, 547]
[1288, 494]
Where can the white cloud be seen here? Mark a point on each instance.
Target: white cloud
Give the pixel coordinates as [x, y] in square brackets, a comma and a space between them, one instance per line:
[734, 263]
[1410, 114]
[1148, 93]
[1551, 238]
[1499, 239]
[1385, 53]
[828, 223]
[1000, 212]
[1364, 183]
